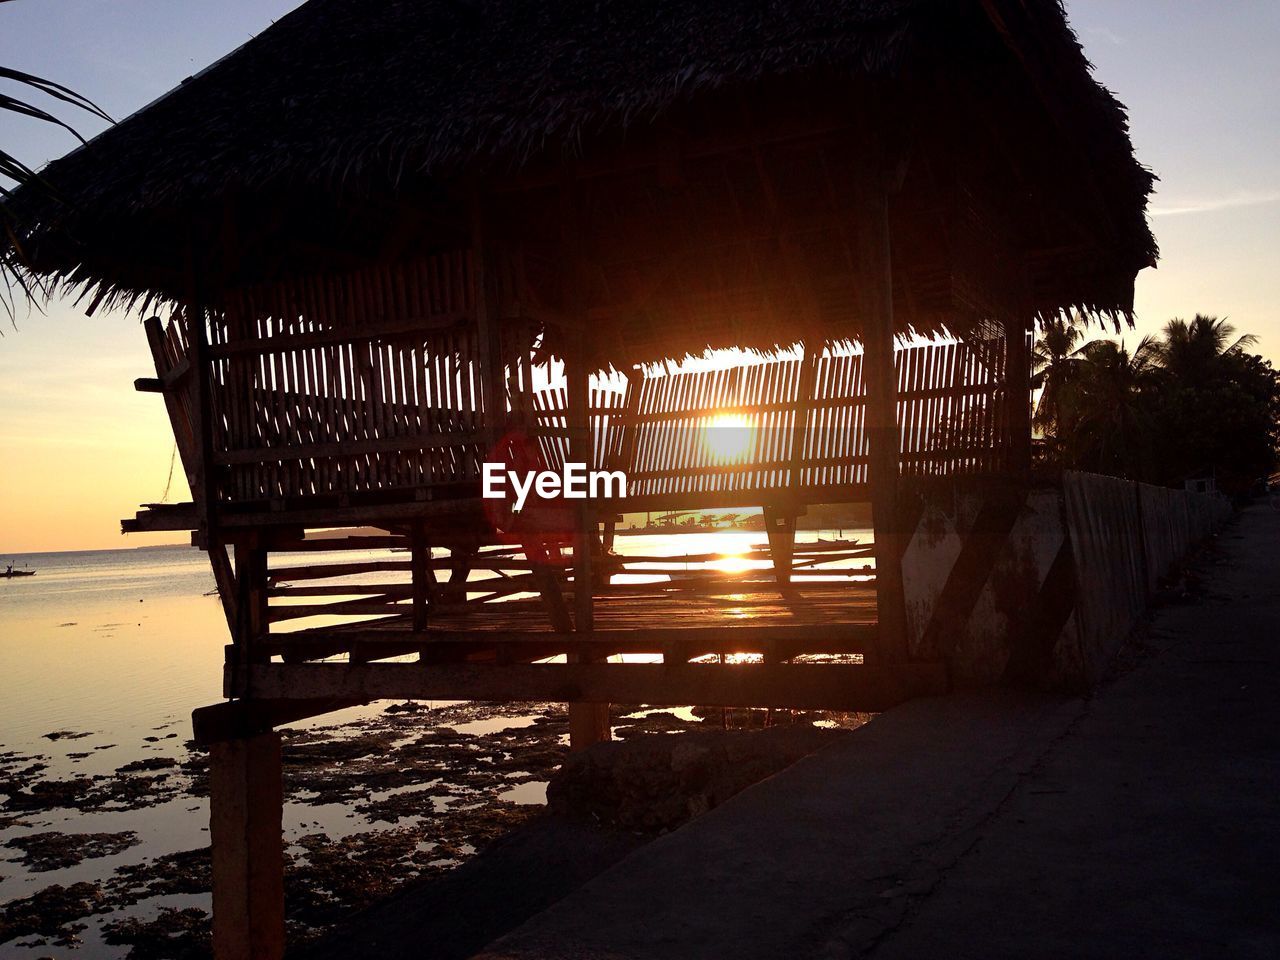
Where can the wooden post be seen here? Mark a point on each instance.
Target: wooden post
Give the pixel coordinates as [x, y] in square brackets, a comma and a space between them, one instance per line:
[246, 840]
[780, 522]
[880, 374]
[205, 492]
[577, 371]
[588, 722]
[488, 336]
[252, 620]
[419, 575]
[1017, 373]
[780, 525]
[225, 579]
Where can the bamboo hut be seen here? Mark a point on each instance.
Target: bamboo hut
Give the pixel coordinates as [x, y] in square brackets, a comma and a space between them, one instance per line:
[376, 234]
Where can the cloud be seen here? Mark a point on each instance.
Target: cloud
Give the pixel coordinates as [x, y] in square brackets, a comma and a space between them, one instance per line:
[1246, 198]
[1110, 36]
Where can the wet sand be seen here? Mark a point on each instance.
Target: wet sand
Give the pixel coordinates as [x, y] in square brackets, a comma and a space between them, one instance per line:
[373, 806]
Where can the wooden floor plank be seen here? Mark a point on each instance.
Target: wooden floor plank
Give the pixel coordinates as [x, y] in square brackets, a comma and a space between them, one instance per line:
[801, 686]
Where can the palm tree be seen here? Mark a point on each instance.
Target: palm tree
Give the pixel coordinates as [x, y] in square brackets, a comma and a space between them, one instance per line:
[1216, 404]
[1193, 352]
[1053, 363]
[1105, 422]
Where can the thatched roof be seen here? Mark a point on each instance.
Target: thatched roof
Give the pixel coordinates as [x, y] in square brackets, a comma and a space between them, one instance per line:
[345, 98]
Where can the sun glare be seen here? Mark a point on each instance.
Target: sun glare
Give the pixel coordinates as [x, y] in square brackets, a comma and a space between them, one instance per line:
[732, 564]
[727, 437]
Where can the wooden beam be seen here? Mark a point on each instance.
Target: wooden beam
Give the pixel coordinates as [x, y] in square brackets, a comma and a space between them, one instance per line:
[422, 577]
[872, 237]
[370, 514]
[588, 716]
[252, 612]
[345, 448]
[204, 487]
[225, 580]
[1017, 372]
[238, 719]
[781, 529]
[818, 638]
[577, 371]
[534, 646]
[488, 336]
[801, 686]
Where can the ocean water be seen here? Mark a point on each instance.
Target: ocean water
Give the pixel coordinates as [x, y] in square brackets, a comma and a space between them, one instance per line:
[116, 641]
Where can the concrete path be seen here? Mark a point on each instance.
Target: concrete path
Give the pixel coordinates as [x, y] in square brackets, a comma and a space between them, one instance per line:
[1144, 822]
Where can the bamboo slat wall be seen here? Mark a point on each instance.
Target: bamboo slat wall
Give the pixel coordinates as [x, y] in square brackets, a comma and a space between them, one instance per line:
[608, 405]
[801, 429]
[370, 382]
[344, 384]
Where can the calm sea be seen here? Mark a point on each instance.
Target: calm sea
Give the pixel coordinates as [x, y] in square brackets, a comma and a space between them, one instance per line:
[107, 640]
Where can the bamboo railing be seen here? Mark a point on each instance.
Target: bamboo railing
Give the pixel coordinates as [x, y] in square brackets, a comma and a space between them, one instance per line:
[372, 383]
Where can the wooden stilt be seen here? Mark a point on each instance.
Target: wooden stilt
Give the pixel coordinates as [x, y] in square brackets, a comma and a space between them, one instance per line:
[419, 574]
[225, 579]
[586, 534]
[488, 336]
[1018, 407]
[588, 722]
[780, 525]
[245, 804]
[252, 615]
[882, 400]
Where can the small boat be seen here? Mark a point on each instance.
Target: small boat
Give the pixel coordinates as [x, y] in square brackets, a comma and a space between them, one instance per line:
[9, 573]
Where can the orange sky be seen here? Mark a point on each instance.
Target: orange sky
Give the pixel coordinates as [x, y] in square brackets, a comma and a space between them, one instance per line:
[79, 449]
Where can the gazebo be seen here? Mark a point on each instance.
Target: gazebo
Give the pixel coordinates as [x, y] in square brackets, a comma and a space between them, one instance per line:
[393, 242]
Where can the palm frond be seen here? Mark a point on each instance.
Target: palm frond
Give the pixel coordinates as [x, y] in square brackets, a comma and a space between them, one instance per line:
[55, 90]
[16, 281]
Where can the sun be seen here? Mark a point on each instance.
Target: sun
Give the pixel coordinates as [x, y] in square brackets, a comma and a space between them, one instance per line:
[727, 437]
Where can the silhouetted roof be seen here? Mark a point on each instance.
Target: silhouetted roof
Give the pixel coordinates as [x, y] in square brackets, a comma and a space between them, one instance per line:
[346, 95]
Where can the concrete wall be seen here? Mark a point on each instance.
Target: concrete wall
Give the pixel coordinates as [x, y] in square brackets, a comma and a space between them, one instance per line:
[1043, 583]
[998, 569]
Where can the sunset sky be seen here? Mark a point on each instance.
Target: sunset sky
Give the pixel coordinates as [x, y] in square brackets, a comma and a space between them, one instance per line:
[79, 449]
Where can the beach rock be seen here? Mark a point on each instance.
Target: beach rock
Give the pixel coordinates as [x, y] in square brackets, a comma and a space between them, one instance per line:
[53, 850]
[50, 912]
[127, 792]
[187, 871]
[148, 763]
[656, 783]
[67, 735]
[174, 934]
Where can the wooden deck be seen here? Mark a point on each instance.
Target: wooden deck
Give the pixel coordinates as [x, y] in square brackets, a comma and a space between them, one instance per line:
[750, 616]
[745, 641]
